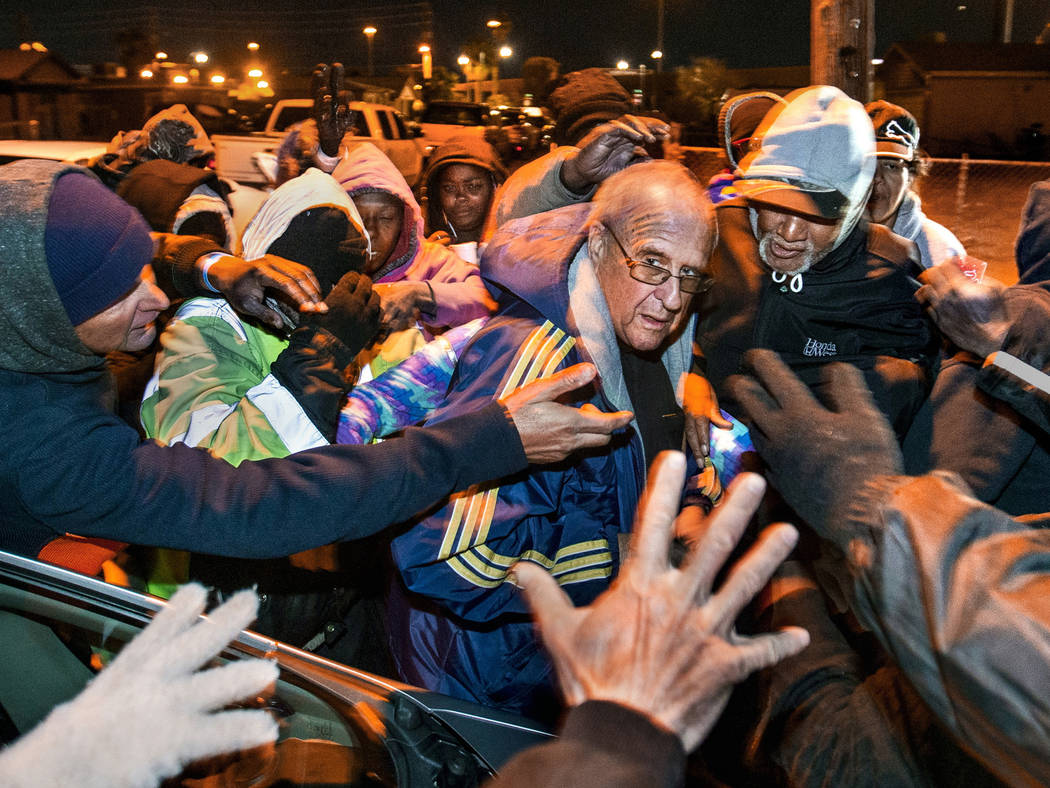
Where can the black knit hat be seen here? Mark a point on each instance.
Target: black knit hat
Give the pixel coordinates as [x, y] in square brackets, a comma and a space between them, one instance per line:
[95, 243]
[896, 131]
[739, 119]
[583, 100]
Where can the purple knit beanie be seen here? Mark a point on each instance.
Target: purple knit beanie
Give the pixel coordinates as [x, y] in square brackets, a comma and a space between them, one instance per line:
[96, 245]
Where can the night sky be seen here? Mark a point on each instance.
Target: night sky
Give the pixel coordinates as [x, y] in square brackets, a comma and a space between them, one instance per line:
[745, 33]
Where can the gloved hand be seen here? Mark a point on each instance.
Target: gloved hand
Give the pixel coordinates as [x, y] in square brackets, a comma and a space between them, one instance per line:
[818, 457]
[317, 367]
[331, 112]
[151, 712]
[353, 312]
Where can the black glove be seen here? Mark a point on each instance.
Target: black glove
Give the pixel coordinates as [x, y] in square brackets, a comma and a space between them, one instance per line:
[818, 458]
[318, 367]
[353, 312]
[331, 112]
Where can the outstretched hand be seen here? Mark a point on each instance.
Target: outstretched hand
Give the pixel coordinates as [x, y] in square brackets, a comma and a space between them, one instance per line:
[550, 431]
[660, 640]
[331, 112]
[609, 148]
[970, 314]
[244, 284]
[152, 711]
[818, 456]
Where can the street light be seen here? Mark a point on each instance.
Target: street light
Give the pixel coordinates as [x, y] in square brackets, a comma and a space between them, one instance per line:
[656, 54]
[463, 60]
[253, 46]
[200, 57]
[622, 65]
[255, 73]
[427, 62]
[498, 37]
[217, 79]
[180, 79]
[370, 33]
[161, 56]
[146, 74]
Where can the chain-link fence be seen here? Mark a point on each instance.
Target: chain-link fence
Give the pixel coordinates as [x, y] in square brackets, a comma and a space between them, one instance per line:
[979, 200]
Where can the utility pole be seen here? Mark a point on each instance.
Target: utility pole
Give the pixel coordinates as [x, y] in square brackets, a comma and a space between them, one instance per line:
[1005, 20]
[659, 34]
[842, 44]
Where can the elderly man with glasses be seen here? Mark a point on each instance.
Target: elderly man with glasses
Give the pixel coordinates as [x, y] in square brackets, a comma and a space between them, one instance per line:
[610, 281]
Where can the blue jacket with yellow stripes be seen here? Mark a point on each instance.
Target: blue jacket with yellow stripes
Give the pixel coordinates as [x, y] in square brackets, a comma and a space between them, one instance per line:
[457, 625]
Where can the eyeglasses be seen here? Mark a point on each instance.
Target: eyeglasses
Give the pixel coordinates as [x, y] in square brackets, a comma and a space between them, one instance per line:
[656, 275]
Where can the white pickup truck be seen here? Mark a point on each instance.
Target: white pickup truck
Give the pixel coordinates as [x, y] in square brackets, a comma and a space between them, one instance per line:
[375, 123]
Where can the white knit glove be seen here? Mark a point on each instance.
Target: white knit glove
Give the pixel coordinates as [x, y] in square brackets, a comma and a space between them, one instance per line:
[151, 712]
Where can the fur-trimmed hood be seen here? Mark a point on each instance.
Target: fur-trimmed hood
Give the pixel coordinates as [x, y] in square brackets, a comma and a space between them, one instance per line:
[363, 169]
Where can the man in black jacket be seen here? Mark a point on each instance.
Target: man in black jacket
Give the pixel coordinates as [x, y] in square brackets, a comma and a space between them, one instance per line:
[798, 268]
[75, 289]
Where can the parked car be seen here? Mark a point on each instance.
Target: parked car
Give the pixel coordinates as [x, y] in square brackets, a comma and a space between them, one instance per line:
[55, 624]
[220, 119]
[443, 119]
[72, 151]
[244, 200]
[235, 155]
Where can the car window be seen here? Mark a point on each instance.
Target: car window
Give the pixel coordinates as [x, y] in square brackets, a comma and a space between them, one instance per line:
[384, 123]
[291, 115]
[402, 131]
[454, 115]
[51, 647]
[363, 127]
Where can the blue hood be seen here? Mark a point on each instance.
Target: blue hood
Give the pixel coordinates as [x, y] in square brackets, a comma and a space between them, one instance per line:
[530, 258]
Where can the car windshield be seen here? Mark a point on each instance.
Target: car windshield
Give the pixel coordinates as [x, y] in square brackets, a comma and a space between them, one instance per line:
[456, 115]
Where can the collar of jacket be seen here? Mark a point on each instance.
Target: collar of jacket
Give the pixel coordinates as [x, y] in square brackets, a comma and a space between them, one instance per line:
[543, 260]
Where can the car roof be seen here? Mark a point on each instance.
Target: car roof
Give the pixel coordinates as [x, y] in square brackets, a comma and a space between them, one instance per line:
[74, 151]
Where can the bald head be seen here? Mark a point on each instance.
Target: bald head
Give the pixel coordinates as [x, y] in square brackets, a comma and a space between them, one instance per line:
[655, 188]
[651, 217]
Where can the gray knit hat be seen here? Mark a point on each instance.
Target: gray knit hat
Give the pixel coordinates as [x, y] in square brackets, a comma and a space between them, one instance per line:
[817, 157]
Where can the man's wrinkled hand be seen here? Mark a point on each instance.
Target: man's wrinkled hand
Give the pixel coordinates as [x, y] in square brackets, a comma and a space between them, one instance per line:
[609, 148]
[659, 640]
[818, 456]
[700, 405]
[244, 284]
[330, 111]
[550, 431]
[970, 314]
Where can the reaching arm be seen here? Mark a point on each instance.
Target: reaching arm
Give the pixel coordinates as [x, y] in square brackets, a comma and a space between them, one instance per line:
[954, 589]
[638, 711]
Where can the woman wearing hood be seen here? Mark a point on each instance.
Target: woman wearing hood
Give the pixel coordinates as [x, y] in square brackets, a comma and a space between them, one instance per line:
[416, 279]
[245, 392]
[893, 201]
[461, 180]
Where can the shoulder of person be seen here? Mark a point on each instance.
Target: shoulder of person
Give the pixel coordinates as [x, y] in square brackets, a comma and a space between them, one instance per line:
[895, 249]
